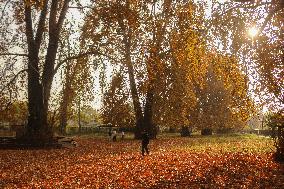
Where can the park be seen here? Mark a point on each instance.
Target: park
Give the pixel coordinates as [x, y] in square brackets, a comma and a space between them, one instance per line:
[232, 161]
[141, 94]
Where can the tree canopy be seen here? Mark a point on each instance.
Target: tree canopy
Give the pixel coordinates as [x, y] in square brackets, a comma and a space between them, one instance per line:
[170, 63]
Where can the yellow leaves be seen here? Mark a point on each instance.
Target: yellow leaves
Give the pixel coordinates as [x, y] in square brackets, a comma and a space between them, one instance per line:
[37, 3]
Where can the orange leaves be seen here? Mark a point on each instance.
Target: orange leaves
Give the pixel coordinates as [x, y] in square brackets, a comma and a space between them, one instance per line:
[37, 3]
[97, 163]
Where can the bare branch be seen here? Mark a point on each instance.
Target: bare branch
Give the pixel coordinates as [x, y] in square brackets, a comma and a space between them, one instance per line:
[13, 54]
[268, 18]
[80, 55]
[4, 9]
[80, 8]
[13, 79]
[63, 13]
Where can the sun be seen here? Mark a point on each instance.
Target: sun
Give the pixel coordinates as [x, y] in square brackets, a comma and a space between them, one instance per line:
[253, 31]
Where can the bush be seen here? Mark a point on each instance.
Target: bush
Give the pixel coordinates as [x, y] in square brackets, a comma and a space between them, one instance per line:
[185, 131]
[276, 123]
[225, 131]
[206, 131]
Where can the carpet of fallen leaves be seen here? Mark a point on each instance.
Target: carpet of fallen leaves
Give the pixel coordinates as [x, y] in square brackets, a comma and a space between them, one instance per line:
[173, 163]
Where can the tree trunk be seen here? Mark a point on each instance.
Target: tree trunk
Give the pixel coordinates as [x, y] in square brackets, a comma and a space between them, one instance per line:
[63, 109]
[37, 124]
[206, 131]
[148, 114]
[134, 93]
[65, 99]
[38, 132]
[79, 115]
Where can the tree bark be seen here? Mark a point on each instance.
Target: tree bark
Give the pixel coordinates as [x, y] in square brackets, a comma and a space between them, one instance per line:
[133, 89]
[38, 132]
[148, 113]
[36, 118]
[153, 70]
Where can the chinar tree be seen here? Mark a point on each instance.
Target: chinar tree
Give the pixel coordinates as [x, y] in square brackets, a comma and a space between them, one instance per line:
[39, 83]
[116, 104]
[137, 36]
[223, 101]
[39, 24]
[261, 49]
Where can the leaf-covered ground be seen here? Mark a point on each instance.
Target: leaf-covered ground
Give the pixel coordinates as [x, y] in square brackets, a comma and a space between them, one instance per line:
[198, 162]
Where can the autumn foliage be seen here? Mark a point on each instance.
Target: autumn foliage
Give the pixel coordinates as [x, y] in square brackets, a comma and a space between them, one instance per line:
[224, 162]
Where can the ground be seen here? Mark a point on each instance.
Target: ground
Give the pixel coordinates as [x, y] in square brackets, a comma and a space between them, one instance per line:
[240, 161]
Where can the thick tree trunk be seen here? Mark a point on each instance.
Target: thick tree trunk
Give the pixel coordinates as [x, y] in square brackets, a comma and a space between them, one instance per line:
[136, 102]
[134, 93]
[37, 129]
[38, 132]
[148, 114]
[37, 124]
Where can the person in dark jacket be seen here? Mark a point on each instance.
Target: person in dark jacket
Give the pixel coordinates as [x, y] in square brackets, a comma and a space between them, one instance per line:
[145, 142]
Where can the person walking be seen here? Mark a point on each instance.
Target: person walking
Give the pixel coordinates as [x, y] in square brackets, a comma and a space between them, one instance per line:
[114, 136]
[122, 135]
[145, 142]
[110, 134]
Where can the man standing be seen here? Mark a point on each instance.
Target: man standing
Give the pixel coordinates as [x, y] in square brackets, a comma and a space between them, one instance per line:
[145, 142]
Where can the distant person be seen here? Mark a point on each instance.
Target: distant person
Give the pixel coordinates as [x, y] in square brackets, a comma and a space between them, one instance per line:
[110, 134]
[122, 135]
[114, 136]
[145, 142]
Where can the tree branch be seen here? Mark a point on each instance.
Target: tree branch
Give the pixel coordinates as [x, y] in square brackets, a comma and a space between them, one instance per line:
[41, 25]
[4, 9]
[13, 79]
[52, 16]
[80, 55]
[13, 54]
[80, 8]
[63, 13]
[29, 26]
[268, 18]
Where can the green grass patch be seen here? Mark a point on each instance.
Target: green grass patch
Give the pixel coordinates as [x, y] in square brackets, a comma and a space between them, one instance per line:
[248, 143]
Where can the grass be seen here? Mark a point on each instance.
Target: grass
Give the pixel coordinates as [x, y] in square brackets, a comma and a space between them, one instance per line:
[249, 143]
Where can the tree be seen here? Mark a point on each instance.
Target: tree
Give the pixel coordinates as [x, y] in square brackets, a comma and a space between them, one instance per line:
[40, 25]
[39, 86]
[223, 101]
[262, 54]
[38, 19]
[187, 65]
[116, 107]
[77, 86]
[118, 23]
[77, 77]
[275, 120]
[16, 113]
[137, 36]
